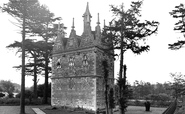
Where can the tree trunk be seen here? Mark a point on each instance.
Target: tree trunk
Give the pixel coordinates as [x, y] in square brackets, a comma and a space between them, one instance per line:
[22, 100]
[105, 67]
[121, 65]
[35, 77]
[106, 99]
[110, 111]
[46, 80]
[46, 68]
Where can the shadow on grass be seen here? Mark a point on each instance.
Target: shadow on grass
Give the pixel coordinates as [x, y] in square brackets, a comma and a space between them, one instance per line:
[130, 110]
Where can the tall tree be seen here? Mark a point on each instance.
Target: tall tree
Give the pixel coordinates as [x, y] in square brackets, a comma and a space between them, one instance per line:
[19, 10]
[126, 31]
[33, 53]
[39, 21]
[47, 30]
[179, 13]
[178, 84]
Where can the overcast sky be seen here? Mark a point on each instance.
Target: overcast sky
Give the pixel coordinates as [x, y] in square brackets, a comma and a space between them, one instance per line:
[153, 66]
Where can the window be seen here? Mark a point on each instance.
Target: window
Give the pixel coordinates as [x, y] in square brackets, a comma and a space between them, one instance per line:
[71, 61]
[58, 64]
[85, 62]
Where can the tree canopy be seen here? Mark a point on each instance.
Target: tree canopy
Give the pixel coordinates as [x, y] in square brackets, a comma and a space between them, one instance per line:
[178, 13]
[7, 86]
[125, 32]
[39, 21]
[126, 25]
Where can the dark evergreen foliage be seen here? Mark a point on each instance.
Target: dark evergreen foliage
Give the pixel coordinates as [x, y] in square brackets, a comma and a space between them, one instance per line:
[179, 13]
[126, 32]
[111, 98]
[106, 74]
[39, 21]
[132, 29]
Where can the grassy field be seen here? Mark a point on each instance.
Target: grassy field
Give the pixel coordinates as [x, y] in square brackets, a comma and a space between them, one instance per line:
[130, 110]
[141, 110]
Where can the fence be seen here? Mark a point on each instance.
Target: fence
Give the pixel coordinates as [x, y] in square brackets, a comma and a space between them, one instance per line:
[171, 108]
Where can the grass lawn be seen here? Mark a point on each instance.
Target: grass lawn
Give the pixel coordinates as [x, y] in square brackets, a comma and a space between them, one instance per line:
[130, 110]
[141, 110]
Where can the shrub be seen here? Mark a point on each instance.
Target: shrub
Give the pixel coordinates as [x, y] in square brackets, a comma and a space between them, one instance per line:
[36, 102]
[12, 101]
[138, 103]
[10, 95]
[135, 102]
[28, 94]
[2, 95]
[40, 90]
[2, 101]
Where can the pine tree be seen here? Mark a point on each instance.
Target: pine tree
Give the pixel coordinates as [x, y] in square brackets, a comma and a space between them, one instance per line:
[39, 21]
[179, 13]
[125, 32]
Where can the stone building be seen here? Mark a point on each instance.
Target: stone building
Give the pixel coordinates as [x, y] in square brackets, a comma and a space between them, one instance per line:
[77, 71]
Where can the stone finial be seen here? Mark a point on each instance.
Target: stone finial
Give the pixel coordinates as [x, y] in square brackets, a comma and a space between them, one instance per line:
[73, 32]
[73, 24]
[87, 20]
[104, 22]
[58, 26]
[98, 22]
[87, 13]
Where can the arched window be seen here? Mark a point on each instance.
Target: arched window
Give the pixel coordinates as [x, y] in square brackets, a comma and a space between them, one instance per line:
[58, 64]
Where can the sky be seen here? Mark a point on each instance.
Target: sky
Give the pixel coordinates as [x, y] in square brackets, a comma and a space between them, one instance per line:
[153, 66]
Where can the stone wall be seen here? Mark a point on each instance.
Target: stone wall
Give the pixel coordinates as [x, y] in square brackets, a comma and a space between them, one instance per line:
[73, 64]
[100, 91]
[72, 81]
[74, 92]
[100, 94]
[77, 79]
[101, 56]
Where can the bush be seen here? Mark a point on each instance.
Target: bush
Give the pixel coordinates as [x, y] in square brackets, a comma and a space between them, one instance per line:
[16, 101]
[2, 95]
[40, 90]
[163, 104]
[12, 101]
[2, 101]
[139, 103]
[10, 95]
[160, 100]
[135, 102]
[28, 94]
[159, 97]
